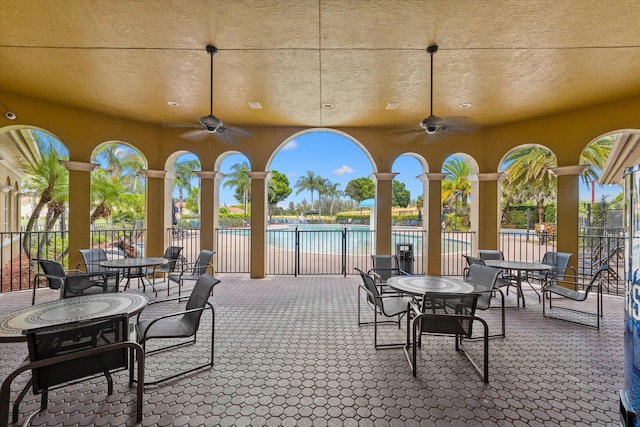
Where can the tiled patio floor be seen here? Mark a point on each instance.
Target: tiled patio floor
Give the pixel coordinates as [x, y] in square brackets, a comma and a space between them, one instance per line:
[289, 352]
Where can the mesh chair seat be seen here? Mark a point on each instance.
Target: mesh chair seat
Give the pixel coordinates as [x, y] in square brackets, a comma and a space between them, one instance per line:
[182, 324]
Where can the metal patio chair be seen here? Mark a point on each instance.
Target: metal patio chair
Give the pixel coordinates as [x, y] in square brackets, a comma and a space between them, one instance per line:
[181, 324]
[67, 353]
[435, 317]
[172, 253]
[386, 305]
[190, 272]
[485, 282]
[574, 293]
[560, 263]
[385, 267]
[91, 259]
[71, 285]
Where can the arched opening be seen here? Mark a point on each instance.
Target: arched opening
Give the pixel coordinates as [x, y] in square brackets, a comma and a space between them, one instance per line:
[320, 181]
[118, 199]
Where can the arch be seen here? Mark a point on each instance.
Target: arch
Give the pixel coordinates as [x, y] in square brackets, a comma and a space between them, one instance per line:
[117, 142]
[320, 130]
[170, 162]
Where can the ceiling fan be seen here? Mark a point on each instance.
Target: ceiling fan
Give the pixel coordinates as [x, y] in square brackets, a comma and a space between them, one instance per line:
[434, 125]
[210, 124]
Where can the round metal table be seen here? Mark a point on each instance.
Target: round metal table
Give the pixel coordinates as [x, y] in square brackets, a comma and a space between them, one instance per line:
[519, 267]
[418, 285]
[131, 263]
[13, 325]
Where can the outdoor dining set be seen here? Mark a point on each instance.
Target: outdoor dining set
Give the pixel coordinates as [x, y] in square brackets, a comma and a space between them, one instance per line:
[448, 306]
[89, 331]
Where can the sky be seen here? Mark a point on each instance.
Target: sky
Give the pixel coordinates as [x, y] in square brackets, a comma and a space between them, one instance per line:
[340, 160]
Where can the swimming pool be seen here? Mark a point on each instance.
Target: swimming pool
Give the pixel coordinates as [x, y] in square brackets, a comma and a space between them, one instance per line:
[336, 239]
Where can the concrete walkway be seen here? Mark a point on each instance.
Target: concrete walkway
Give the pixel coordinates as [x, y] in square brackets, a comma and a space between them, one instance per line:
[289, 352]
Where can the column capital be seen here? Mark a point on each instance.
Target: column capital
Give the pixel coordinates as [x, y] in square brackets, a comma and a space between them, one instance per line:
[258, 175]
[383, 176]
[78, 166]
[569, 170]
[207, 174]
[5, 189]
[434, 176]
[493, 176]
[153, 173]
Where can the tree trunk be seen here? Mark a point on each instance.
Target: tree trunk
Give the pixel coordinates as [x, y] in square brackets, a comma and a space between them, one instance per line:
[541, 210]
[33, 219]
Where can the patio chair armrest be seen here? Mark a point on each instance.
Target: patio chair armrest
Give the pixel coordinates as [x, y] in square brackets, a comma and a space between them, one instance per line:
[48, 276]
[192, 269]
[375, 275]
[208, 305]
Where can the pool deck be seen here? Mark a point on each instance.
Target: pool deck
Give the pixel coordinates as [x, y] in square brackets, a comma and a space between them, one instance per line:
[289, 352]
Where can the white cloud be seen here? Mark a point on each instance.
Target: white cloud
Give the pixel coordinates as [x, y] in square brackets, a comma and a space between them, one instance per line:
[343, 170]
[291, 145]
[292, 174]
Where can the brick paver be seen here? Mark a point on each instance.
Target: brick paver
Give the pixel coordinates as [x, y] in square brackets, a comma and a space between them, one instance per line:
[288, 352]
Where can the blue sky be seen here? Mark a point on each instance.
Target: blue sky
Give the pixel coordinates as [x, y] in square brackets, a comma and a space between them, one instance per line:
[339, 160]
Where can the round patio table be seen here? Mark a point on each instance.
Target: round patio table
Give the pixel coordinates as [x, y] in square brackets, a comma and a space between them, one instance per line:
[418, 285]
[519, 267]
[13, 325]
[131, 263]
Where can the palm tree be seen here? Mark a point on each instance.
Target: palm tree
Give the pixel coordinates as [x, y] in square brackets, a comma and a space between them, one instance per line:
[596, 154]
[184, 174]
[239, 179]
[50, 180]
[106, 193]
[456, 185]
[529, 175]
[333, 192]
[116, 181]
[310, 182]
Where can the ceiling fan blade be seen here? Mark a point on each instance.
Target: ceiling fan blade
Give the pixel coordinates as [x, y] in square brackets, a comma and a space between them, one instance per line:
[460, 125]
[405, 135]
[197, 134]
[236, 131]
[180, 125]
[225, 137]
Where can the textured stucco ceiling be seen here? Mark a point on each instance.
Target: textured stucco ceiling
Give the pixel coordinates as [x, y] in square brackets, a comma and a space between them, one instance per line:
[511, 60]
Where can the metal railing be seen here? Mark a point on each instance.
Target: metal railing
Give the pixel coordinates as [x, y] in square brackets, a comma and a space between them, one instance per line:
[596, 246]
[233, 250]
[308, 251]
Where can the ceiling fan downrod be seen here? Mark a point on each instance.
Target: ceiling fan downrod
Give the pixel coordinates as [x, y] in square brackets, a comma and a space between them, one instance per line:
[431, 50]
[211, 50]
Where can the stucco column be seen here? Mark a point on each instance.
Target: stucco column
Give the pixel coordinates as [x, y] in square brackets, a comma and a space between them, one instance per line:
[433, 219]
[485, 210]
[382, 211]
[79, 208]
[209, 182]
[156, 211]
[258, 223]
[568, 200]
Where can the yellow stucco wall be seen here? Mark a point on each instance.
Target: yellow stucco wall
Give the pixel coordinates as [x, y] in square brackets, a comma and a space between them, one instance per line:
[564, 134]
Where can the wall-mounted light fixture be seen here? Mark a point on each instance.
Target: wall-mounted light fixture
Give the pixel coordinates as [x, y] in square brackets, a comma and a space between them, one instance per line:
[9, 114]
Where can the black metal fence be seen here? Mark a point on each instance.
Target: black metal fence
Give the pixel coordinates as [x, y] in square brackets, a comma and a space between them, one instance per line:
[314, 251]
[17, 269]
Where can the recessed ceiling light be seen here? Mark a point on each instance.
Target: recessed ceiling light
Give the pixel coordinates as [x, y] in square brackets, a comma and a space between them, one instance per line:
[465, 105]
[327, 105]
[172, 103]
[255, 105]
[393, 105]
